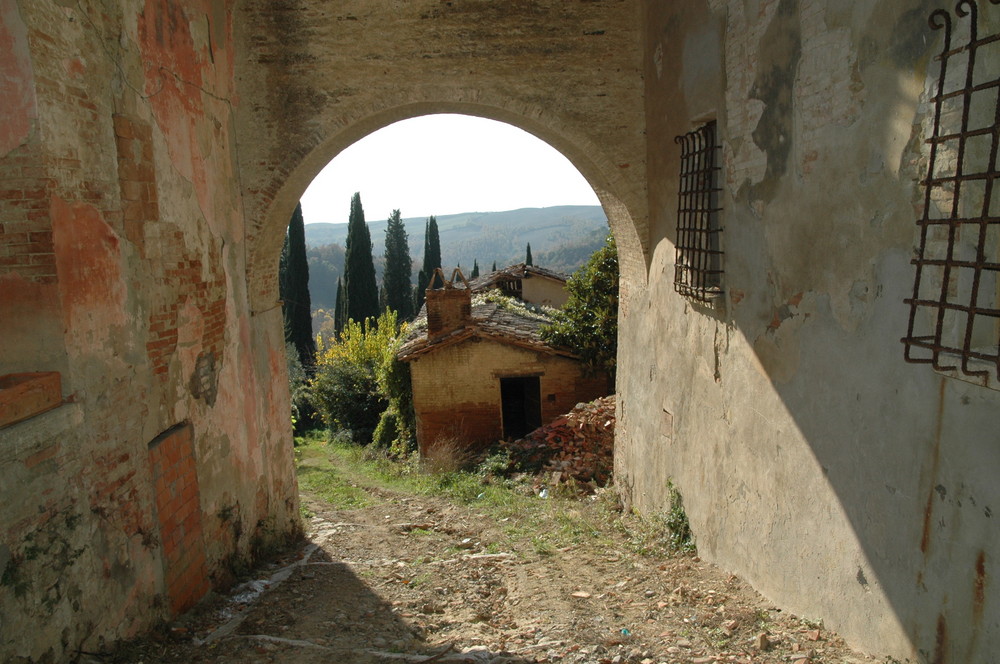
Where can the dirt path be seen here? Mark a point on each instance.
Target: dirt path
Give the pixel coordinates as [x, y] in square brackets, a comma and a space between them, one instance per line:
[414, 578]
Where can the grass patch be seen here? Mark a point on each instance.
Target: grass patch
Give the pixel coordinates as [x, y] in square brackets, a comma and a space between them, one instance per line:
[345, 475]
[320, 478]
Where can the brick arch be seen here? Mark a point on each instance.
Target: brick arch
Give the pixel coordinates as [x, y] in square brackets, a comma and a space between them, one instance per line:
[622, 201]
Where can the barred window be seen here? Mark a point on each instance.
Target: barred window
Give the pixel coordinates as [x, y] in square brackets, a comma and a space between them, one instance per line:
[954, 321]
[698, 265]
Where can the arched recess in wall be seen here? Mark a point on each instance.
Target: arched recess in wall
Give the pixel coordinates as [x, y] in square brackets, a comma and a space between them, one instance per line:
[265, 234]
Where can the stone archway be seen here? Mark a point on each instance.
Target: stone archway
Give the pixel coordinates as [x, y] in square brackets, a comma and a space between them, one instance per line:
[313, 80]
[265, 233]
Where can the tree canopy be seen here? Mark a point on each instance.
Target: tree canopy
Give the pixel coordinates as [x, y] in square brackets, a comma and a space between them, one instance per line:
[432, 261]
[293, 286]
[398, 266]
[588, 323]
[359, 285]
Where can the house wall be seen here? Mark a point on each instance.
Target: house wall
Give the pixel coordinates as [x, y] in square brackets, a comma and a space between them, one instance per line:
[122, 267]
[547, 292]
[456, 390]
[844, 483]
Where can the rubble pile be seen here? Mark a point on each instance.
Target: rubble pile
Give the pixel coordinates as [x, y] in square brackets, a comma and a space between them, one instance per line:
[578, 445]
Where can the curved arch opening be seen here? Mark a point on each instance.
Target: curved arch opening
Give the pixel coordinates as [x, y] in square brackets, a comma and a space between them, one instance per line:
[444, 164]
[612, 189]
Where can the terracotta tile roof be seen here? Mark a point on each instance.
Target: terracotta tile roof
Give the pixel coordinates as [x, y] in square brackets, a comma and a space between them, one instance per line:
[489, 321]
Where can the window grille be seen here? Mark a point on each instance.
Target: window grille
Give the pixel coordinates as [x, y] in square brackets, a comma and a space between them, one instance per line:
[954, 321]
[698, 266]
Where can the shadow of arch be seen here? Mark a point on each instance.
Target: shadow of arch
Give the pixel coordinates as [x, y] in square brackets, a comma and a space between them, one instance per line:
[619, 196]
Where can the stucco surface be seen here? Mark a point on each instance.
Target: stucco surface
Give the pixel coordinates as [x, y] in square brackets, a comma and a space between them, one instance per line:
[844, 483]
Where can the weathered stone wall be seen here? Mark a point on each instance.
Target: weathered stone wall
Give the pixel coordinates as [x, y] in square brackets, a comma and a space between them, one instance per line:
[842, 482]
[456, 390]
[122, 266]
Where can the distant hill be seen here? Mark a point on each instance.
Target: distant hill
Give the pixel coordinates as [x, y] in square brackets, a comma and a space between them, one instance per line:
[562, 238]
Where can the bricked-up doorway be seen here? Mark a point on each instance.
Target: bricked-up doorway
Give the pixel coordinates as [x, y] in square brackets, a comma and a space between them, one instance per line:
[521, 404]
[178, 513]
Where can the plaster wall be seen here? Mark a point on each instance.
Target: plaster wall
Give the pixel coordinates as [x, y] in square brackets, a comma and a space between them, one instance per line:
[122, 266]
[547, 292]
[456, 390]
[843, 483]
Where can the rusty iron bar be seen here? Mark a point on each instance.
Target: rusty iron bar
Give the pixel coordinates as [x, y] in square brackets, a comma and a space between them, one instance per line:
[941, 346]
[698, 264]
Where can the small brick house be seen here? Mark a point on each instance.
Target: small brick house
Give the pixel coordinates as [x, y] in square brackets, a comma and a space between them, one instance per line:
[481, 371]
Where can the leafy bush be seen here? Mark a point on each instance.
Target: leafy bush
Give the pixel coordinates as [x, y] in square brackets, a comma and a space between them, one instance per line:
[387, 430]
[345, 390]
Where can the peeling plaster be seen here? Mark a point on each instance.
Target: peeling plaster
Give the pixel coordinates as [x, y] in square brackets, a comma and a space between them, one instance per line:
[17, 88]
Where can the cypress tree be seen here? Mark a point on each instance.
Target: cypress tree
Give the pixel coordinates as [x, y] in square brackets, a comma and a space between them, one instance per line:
[527, 258]
[398, 265]
[494, 267]
[293, 286]
[360, 287]
[432, 261]
[338, 312]
[475, 269]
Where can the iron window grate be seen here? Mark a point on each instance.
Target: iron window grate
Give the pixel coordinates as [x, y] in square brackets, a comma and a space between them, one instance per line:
[954, 320]
[698, 266]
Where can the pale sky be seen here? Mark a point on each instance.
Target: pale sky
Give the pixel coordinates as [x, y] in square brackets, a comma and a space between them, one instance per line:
[444, 164]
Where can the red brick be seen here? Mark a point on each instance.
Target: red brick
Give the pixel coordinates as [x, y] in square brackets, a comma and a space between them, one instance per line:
[41, 456]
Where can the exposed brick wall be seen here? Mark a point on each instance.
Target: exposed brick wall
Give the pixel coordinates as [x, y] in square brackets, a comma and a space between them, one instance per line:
[136, 177]
[190, 279]
[178, 511]
[25, 231]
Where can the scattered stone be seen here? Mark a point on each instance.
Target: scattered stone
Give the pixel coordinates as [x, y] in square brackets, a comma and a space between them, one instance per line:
[582, 594]
[762, 642]
[813, 635]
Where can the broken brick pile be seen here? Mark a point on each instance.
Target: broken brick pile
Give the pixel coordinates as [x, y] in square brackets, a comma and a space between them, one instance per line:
[579, 445]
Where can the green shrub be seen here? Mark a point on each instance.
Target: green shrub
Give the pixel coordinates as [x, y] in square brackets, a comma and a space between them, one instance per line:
[346, 390]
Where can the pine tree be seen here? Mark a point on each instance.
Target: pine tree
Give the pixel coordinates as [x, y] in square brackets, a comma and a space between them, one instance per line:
[398, 266]
[432, 261]
[527, 258]
[293, 286]
[475, 269]
[360, 287]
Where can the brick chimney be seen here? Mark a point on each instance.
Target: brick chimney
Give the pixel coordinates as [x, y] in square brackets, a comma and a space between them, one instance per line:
[449, 308]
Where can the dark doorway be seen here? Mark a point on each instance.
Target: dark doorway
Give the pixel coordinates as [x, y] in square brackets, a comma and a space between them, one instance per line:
[521, 400]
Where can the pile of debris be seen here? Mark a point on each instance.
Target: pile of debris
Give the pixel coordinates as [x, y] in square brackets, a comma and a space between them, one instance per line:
[579, 445]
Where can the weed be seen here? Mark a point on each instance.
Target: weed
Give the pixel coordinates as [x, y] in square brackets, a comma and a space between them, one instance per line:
[421, 532]
[542, 545]
[681, 538]
[448, 455]
[420, 579]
